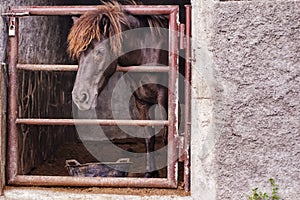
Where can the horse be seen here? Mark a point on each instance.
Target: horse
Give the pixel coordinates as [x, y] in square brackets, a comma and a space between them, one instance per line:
[98, 40]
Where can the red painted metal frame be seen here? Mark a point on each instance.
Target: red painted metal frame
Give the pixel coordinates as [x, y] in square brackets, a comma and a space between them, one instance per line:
[187, 100]
[12, 157]
[12, 168]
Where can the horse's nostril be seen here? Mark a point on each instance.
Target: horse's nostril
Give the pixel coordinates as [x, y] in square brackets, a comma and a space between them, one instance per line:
[83, 97]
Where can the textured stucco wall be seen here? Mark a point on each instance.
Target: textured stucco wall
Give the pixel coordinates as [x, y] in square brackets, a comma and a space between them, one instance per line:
[247, 55]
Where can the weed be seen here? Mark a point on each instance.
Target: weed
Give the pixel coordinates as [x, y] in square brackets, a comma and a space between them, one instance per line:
[256, 195]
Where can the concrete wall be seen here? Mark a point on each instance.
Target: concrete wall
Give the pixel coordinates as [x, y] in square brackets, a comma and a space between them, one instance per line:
[246, 98]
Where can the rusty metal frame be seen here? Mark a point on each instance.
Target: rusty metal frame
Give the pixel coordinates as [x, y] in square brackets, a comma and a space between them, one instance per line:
[187, 99]
[12, 168]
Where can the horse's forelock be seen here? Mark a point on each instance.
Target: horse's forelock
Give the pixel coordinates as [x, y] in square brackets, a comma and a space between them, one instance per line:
[84, 30]
[87, 28]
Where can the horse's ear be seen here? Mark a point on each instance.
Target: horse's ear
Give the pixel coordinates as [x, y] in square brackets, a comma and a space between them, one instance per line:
[104, 25]
[74, 19]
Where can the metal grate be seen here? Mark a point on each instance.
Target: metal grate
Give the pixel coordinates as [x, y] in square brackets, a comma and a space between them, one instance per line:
[171, 181]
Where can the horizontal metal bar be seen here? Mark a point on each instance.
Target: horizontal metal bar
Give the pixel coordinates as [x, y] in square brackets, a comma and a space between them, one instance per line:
[143, 68]
[78, 10]
[91, 181]
[41, 67]
[103, 122]
[19, 14]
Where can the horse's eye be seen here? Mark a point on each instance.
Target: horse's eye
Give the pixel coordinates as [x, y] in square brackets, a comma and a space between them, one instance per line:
[99, 53]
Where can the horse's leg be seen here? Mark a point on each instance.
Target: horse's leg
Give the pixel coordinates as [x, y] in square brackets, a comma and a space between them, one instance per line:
[162, 101]
[151, 170]
[149, 136]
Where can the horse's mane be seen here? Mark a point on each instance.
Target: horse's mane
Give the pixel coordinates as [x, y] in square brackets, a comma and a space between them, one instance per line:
[87, 27]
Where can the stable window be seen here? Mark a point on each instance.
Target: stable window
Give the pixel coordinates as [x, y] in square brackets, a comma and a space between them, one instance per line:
[178, 144]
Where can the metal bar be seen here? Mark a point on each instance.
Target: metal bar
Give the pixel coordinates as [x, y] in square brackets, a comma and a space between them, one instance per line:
[3, 124]
[182, 36]
[15, 14]
[103, 122]
[78, 10]
[173, 98]
[41, 67]
[187, 114]
[12, 168]
[90, 181]
[143, 69]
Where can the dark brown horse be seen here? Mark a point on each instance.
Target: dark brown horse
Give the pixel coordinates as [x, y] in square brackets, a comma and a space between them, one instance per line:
[103, 39]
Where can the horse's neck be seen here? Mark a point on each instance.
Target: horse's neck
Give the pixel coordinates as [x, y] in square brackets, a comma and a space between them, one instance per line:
[144, 51]
[143, 45]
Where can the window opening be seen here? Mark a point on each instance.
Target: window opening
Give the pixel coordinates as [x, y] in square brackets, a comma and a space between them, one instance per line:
[175, 142]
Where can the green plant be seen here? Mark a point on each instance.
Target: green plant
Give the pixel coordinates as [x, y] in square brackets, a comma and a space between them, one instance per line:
[275, 195]
[263, 195]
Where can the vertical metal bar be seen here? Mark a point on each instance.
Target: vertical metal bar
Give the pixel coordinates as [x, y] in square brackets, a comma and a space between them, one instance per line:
[173, 98]
[181, 41]
[3, 103]
[3, 127]
[187, 117]
[12, 168]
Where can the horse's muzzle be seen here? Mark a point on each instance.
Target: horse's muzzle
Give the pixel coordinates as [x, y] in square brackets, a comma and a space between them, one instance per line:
[82, 100]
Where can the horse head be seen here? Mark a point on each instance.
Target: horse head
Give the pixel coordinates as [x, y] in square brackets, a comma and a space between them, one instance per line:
[95, 40]
[95, 68]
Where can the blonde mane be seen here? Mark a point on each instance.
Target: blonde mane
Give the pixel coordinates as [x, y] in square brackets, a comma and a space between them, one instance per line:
[87, 28]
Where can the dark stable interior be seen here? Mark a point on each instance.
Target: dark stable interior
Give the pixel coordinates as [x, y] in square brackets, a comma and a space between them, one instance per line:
[50, 151]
